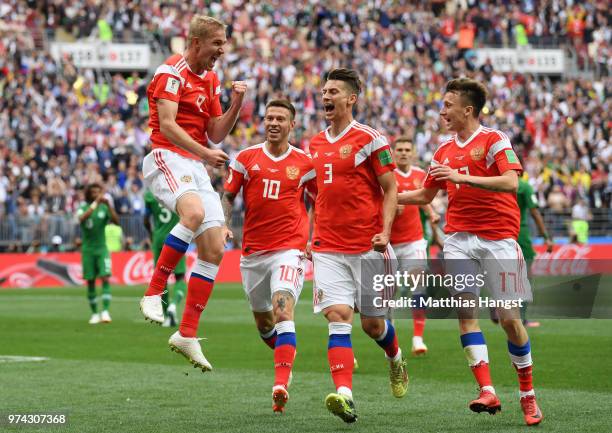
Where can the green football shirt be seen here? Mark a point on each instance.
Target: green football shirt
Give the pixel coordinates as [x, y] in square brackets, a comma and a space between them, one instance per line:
[92, 229]
[526, 198]
[163, 219]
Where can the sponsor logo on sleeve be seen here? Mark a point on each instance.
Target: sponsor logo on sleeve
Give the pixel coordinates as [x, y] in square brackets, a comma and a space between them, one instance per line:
[385, 158]
[511, 156]
[172, 85]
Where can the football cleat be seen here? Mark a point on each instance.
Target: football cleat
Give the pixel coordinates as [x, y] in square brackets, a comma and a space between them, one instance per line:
[94, 319]
[398, 377]
[280, 396]
[355, 364]
[531, 411]
[190, 349]
[486, 402]
[151, 307]
[105, 317]
[418, 346]
[341, 406]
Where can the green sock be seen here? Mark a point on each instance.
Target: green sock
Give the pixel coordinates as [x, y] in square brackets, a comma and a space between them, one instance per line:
[106, 295]
[165, 297]
[91, 296]
[179, 291]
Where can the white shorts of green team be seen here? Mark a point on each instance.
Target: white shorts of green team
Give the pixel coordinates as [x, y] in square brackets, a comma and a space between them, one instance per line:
[268, 272]
[412, 258]
[354, 280]
[499, 264]
[169, 175]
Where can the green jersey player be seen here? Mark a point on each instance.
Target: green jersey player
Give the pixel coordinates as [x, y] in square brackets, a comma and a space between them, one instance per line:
[163, 221]
[528, 205]
[93, 216]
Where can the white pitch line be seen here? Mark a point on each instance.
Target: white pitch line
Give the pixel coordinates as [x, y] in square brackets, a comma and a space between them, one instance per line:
[9, 358]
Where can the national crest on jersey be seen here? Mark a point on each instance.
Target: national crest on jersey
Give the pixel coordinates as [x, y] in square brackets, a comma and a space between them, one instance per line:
[197, 97]
[273, 192]
[348, 207]
[407, 225]
[490, 214]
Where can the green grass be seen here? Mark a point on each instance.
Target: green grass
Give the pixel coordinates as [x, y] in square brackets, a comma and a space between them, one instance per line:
[122, 377]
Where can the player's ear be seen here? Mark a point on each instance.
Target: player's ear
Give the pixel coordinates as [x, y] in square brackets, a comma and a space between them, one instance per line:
[352, 99]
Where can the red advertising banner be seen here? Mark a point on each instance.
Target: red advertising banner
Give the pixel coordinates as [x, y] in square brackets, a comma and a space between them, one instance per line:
[131, 268]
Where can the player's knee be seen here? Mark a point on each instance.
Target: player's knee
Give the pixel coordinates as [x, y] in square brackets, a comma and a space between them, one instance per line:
[511, 326]
[192, 218]
[374, 328]
[333, 315]
[213, 253]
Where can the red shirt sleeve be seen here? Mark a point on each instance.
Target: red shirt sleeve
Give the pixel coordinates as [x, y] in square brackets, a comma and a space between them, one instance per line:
[381, 158]
[169, 87]
[235, 177]
[506, 159]
[215, 105]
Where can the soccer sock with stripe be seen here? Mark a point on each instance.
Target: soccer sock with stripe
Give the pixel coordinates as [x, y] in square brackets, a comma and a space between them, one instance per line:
[521, 359]
[269, 338]
[199, 289]
[340, 357]
[477, 355]
[284, 352]
[91, 296]
[106, 295]
[174, 248]
[418, 316]
[388, 341]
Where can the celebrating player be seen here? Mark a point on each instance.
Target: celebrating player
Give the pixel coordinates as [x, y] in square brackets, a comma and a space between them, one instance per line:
[93, 216]
[275, 235]
[407, 234]
[354, 210]
[164, 221]
[185, 110]
[480, 170]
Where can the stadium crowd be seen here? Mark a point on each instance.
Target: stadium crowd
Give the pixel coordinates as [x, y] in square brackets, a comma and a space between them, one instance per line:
[62, 127]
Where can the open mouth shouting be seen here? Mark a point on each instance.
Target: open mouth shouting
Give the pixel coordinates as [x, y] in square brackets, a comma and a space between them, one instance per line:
[329, 108]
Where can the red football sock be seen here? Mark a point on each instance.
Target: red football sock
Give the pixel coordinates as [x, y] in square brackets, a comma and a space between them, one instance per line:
[525, 378]
[418, 321]
[283, 362]
[482, 374]
[199, 290]
[167, 261]
[341, 365]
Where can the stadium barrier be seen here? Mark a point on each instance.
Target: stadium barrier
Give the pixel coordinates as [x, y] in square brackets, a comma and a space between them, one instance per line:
[136, 267]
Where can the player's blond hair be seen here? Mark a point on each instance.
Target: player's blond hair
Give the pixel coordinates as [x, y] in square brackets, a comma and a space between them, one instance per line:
[201, 26]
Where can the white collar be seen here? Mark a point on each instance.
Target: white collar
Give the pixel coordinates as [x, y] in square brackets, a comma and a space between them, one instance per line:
[339, 136]
[272, 157]
[466, 142]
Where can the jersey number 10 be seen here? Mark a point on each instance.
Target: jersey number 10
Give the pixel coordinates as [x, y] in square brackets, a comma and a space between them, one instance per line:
[271, 189]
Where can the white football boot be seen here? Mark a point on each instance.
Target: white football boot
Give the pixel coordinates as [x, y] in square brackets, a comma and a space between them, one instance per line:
[95, 319]
[105, 317]
[152, 310]
[190, 349]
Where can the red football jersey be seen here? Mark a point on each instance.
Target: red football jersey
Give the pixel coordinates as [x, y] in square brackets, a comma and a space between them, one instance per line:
[273, 192]
[348, 206]
[197, 96]
[488, 214]
[407, 225]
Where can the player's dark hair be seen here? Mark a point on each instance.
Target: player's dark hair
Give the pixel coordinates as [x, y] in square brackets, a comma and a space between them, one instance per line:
[282, 103]
[88, 189]
[349, 76]
[472, 93]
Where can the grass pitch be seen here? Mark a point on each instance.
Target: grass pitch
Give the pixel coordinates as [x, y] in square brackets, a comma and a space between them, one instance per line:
[122, 377]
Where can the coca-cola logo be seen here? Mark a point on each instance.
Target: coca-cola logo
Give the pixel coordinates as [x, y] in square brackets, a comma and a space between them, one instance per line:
[138, 269]
[568, 260]
[21, 280]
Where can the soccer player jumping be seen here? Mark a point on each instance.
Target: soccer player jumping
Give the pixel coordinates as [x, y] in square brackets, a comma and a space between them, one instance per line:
[354, 210]
[480, 170]
[275, 235]
[185, 110]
